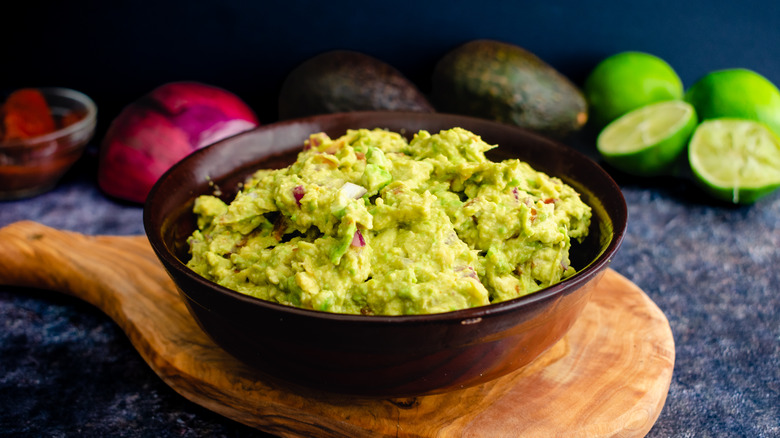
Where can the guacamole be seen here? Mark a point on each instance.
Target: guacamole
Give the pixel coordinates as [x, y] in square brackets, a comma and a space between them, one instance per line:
[371, 224]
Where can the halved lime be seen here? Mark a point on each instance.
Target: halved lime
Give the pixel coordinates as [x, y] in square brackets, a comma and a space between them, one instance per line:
[735, 160]
[648, 141]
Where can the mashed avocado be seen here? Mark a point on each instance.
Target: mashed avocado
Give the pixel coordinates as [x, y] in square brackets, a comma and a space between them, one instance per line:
[369, 223]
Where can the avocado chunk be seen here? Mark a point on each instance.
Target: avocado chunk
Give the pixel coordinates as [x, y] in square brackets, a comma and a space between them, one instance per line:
[504, 82]
[345, 81]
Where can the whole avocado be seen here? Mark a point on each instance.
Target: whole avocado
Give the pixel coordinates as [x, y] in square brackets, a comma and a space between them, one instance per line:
[344, 81]
[504, 82]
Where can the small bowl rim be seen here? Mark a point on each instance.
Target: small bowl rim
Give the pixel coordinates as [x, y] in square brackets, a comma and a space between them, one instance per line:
[584, 275]
[84, 123]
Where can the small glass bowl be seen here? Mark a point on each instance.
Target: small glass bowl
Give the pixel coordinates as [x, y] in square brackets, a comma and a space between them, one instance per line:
[29, 167]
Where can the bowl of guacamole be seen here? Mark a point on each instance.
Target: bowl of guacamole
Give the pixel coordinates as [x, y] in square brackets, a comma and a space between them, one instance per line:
[384, 253]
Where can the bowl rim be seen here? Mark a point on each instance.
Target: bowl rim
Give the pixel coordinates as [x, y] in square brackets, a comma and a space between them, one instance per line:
[465, 316]
[88, 120]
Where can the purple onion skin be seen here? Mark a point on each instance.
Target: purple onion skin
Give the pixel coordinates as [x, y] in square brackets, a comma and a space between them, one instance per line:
[205, 125]
[153, 133]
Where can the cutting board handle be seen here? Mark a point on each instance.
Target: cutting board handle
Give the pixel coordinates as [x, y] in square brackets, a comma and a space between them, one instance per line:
[34, 255]
[94, 269]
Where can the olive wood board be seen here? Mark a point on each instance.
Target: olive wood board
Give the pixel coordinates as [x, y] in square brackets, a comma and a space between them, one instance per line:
[609, 376]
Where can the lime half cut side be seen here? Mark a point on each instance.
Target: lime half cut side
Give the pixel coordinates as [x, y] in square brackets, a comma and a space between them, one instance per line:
[648, 141]
[735, 160]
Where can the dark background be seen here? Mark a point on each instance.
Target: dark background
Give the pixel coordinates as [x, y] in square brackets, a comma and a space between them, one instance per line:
[115, 51]
[66, 369]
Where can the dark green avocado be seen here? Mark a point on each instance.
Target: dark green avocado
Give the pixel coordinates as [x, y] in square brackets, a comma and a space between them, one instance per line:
[344, 81]
[503, 82]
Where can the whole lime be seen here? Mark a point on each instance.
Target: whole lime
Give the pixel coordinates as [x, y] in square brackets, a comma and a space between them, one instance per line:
[626, 81]
[736, 93]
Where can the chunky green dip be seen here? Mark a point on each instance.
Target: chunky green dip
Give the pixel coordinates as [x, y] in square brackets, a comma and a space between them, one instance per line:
[371, 224]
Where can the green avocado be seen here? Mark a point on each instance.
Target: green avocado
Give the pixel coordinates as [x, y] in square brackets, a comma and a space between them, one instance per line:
[503, 82]
[344, 81]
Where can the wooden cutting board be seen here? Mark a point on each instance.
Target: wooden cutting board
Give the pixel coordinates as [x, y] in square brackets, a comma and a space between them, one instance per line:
[609, 376]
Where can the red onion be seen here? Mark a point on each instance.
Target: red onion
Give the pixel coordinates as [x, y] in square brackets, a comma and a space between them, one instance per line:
[156, 131]
[298, 193]
[358, 240]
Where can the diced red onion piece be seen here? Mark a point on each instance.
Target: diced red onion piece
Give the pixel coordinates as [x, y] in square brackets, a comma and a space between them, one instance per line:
[298, 193]
[466, 271]
[357, 240]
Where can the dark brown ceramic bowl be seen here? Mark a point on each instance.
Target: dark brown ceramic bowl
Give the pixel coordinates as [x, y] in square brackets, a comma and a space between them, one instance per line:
[380, 356]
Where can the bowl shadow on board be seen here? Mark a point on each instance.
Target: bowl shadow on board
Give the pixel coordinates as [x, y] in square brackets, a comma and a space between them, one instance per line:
[379, 356]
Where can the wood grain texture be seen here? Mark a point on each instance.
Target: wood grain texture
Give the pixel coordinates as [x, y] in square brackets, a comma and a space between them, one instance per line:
[609, 376]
